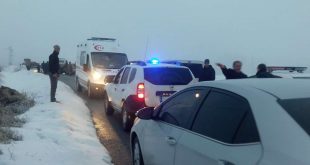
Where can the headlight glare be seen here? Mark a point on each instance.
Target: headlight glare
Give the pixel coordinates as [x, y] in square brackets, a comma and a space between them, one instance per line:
[96, 75]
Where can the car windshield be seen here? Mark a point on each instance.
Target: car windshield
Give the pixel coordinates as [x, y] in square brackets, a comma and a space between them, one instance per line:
[109, 60]
[299, 109]
[168, 76]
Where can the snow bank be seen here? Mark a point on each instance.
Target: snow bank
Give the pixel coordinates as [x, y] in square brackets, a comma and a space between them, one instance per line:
[55, 133]
[12, 68]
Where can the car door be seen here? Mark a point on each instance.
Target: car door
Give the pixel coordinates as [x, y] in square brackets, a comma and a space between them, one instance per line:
[160, 136]
[122, 87]
[223, 133]
[113, 89]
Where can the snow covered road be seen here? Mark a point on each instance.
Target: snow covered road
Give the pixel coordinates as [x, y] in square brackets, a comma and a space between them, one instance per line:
[55, 133]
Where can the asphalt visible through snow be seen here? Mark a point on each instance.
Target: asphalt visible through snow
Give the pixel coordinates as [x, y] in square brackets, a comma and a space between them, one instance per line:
[109, 128]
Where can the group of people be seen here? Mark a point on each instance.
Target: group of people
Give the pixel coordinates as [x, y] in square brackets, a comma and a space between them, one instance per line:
[208, 72]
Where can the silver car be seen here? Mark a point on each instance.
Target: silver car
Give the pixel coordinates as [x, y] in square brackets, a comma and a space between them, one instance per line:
[235, 122]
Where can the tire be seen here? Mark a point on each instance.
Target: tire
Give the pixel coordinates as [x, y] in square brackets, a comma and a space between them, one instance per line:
[77, 85]
[107, 105]
[127, 119]
[137, 158]
[90, 91]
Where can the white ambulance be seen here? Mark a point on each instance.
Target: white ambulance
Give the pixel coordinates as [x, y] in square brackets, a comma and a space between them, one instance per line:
[98, 61]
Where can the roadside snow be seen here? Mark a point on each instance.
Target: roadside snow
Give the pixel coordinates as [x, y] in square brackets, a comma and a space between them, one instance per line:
[55, 133]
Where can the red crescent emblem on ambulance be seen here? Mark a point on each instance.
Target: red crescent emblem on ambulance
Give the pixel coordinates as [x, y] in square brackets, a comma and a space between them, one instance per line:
[98, 47]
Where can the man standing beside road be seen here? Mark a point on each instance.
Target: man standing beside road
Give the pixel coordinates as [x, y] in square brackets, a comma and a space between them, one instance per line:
[53, 71]
[263, 73]
[234, 73]
[208, 72]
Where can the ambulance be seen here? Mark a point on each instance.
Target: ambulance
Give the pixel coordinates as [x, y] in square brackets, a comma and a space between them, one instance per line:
[98, 61]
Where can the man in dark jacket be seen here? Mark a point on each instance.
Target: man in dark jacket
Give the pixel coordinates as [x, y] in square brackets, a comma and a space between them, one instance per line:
[53, 71]
[263, 73]
[208, 72]
[234, 73]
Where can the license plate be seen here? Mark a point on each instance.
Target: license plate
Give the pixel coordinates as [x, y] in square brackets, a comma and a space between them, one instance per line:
[163, 95]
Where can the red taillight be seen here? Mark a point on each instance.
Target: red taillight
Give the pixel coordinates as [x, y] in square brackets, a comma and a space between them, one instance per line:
[140, 90]
[141, 96]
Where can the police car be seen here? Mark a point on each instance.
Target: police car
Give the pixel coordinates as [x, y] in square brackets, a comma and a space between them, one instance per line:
[141, 84]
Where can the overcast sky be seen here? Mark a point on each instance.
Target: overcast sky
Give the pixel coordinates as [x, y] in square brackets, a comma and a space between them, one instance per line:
[276, 32]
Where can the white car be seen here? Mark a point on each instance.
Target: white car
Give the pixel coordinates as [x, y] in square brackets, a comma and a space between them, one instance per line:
[142, 85]
[290, 72]
[234, 122]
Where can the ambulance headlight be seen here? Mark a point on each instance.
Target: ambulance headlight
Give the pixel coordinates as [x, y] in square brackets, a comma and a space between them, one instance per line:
[96, 75]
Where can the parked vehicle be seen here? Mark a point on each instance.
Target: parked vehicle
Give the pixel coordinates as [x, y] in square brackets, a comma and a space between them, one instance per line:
[290, 72]
[98, 61]
[144, 85]
[62, 65]
[233, 122]
[195, 66]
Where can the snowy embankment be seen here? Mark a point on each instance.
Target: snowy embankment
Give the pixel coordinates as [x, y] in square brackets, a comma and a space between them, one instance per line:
[55, 133]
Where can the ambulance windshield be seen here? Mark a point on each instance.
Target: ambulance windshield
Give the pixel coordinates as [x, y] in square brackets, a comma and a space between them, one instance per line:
[109, 60]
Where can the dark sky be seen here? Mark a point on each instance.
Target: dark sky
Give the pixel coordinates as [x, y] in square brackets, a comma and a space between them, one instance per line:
[276, 32]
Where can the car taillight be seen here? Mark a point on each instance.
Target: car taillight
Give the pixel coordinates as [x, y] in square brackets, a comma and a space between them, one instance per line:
[140, 90]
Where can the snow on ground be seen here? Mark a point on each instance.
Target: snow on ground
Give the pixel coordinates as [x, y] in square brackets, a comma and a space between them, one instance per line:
[55, 133]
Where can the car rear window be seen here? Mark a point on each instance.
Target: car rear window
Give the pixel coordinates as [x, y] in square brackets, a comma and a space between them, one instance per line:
[299, 109]
[168, 76]
[195, 68]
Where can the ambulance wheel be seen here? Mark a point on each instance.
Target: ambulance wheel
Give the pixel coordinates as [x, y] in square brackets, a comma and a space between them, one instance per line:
[90, 91]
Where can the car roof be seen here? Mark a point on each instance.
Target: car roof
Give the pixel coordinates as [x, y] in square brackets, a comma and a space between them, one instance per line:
[280, 88]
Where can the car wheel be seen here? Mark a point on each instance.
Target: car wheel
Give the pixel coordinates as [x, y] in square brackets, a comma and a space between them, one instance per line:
[108, 108]
[137, 158]
[127, 120]
[77, 85]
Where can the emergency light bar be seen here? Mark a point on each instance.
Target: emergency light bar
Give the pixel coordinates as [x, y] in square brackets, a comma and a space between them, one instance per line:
[101, 39]
[154, 61]
[290, 69]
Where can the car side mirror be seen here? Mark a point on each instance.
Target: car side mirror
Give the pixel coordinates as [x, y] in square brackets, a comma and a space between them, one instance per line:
[109, 80]
[145, 113]
[85, 68]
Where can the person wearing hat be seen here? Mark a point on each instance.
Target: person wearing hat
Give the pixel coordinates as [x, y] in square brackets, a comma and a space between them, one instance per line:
[54, 71]
[208, 72]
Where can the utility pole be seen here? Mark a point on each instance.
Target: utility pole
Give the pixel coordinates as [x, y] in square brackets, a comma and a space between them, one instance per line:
[10, 55]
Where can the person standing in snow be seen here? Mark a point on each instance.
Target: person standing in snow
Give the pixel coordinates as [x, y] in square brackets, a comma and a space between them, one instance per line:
[234, 73]
[208, 72]
[263, 73]
[53, 71]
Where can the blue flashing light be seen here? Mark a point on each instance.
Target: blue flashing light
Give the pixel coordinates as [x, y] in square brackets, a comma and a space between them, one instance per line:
[154, 61]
